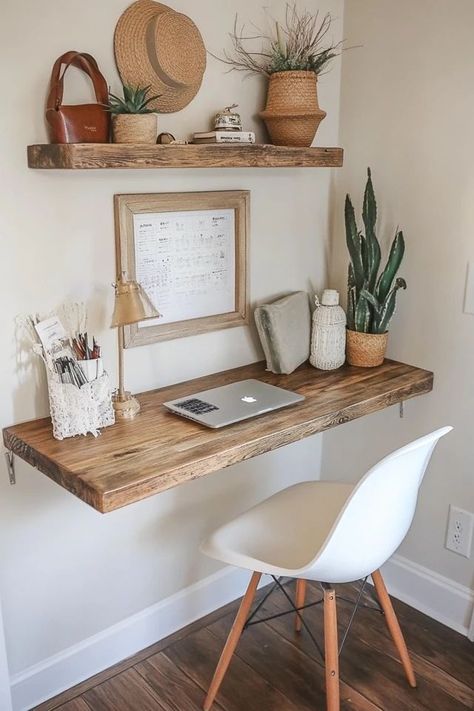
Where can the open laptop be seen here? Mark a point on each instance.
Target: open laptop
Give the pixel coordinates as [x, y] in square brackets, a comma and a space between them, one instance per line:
[227, 404]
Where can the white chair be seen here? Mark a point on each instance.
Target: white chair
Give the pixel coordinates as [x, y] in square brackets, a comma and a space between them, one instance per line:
[328, 532]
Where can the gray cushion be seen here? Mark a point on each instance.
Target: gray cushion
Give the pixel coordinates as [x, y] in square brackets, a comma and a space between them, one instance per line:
[284, 328]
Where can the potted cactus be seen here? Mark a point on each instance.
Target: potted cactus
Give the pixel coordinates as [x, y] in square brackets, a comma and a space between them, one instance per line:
[371, 297]
[132, 120]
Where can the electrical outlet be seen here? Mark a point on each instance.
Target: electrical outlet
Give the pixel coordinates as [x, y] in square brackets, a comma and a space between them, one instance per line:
[459, 533]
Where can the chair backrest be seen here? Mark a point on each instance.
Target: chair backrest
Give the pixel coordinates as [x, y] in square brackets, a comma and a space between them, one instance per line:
[376, 517]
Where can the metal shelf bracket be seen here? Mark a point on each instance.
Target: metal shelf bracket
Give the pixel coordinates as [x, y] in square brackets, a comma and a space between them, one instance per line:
[402, 410]
[10, 458]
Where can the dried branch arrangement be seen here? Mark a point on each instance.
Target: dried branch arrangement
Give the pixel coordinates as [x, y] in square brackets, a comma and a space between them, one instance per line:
[300, 43]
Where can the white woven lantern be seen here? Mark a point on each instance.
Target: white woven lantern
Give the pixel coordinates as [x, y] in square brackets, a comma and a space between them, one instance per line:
[328, 338]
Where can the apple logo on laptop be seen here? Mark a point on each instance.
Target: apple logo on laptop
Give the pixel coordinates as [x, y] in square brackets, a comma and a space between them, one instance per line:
[248, 398]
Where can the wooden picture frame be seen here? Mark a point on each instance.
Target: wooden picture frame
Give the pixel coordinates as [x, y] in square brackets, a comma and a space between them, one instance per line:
[234, 207]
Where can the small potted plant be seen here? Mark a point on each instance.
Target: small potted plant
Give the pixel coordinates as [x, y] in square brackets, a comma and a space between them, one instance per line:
[132, 120]
[371, 297]
[291, 56]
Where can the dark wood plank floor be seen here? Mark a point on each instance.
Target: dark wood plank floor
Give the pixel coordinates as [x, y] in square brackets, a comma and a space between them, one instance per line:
[276, 669]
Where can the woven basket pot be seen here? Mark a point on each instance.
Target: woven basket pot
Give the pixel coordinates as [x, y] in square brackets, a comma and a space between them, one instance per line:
[292, 114]
[134, 128]
[366, 350]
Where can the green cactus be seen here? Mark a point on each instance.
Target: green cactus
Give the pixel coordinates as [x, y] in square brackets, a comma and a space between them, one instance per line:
[371, 299]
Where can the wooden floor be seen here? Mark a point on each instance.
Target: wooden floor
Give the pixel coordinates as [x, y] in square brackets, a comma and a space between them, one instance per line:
[276, 669]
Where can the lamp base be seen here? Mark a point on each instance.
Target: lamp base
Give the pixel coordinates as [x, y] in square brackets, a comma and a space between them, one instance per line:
[126, 406]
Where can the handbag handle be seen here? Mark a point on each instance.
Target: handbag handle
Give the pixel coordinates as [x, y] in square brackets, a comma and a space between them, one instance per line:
[83, 61]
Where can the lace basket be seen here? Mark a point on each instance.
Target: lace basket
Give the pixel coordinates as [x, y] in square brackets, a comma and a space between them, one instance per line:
[80, 411]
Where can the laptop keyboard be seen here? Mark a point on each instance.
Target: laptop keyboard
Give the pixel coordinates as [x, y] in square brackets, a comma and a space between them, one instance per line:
[196, 406]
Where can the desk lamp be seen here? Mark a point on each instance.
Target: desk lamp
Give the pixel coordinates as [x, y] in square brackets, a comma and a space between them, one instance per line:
[132, 305]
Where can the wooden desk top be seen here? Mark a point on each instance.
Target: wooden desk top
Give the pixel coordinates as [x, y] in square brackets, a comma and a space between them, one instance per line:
[159, 450]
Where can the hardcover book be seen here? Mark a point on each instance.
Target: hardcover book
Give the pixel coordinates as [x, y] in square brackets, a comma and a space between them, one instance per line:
[224, 137]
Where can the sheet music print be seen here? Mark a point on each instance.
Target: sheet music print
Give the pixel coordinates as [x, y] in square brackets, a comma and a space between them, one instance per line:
[186, 262]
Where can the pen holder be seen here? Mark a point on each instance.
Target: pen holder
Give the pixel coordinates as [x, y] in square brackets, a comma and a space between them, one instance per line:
[92, 368]
[80, 411]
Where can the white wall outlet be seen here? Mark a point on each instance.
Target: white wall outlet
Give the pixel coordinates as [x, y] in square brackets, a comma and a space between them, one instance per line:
[459, 534]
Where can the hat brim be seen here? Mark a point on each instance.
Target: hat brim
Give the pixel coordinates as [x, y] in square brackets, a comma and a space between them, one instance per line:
[133, 61]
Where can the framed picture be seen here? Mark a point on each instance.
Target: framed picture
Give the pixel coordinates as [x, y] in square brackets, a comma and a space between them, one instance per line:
[189, 251]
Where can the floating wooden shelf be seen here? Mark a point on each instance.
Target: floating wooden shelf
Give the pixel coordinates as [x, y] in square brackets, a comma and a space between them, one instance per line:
[158, 450]
[80, 156]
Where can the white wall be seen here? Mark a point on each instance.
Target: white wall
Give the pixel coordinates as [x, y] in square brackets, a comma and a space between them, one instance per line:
[5, 697]
[406, 111]
[67, 572]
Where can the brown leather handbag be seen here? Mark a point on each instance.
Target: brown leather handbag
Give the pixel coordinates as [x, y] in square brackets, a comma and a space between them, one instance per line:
[82, 123]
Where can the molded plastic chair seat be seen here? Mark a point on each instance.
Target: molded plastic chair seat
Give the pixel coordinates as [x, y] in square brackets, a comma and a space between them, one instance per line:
[332, 533]
[280, 535]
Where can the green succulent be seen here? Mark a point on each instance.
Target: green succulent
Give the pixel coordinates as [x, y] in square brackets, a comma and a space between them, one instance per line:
[135, 101]
[371, 297]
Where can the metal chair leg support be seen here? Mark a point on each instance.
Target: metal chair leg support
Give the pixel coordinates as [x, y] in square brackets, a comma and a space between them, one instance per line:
[351, 619]
[315, 641]
[259, 606]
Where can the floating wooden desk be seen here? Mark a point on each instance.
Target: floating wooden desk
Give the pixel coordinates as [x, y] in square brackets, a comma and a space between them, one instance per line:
[158, 450]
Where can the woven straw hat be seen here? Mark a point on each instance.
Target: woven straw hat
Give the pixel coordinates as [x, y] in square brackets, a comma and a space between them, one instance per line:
[154, 45]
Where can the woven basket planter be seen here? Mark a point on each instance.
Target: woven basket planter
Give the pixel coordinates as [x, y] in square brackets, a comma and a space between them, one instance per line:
[366, 350]
[292, 114]
[134, 128]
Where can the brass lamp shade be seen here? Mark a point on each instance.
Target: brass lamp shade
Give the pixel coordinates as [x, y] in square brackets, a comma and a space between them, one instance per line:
[132, 304]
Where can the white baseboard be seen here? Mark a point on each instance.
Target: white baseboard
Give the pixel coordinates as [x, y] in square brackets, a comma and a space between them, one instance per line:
[470, 634]
[438, 597]
[429, 592]
[75, 664]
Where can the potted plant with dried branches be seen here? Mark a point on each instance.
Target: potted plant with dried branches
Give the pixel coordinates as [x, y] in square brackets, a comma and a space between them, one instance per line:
[292, 56]
[371, 297]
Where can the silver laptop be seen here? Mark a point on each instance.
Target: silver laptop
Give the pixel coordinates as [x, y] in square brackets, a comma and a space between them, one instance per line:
[232, 403]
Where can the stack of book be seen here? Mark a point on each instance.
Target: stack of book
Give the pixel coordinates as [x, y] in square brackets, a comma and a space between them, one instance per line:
[224, 137]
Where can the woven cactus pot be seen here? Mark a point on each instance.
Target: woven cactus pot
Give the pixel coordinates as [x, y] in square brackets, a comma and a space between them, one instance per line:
[292, 114]
[366, 350]
[134, 128]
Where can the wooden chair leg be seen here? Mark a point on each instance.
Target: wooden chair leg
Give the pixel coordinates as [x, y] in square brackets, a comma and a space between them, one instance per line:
[232, 641]
[299, 601]
[394, 627]
[331, 650]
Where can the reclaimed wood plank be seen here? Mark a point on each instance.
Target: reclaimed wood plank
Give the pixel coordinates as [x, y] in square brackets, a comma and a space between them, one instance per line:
[80, 156]
[78, 704]
[242, 688]
[127, 692]
[158, 450]
[175, 689]
[451, 654]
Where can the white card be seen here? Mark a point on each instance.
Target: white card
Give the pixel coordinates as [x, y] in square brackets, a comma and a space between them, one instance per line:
[50, 331]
